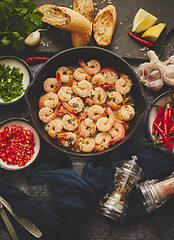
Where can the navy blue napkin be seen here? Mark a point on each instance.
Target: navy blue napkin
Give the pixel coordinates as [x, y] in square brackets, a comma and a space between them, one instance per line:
[74, 198]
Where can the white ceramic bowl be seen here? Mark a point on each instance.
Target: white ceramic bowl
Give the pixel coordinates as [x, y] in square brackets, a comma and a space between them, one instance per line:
[26, 125]
[13, 61]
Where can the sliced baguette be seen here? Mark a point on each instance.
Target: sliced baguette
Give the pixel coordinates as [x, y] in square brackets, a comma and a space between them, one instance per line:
[104, 25]
[65, 18]
[86, 8]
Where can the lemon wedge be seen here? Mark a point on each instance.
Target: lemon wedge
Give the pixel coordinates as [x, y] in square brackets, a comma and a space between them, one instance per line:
[153, 32]
[142, 21]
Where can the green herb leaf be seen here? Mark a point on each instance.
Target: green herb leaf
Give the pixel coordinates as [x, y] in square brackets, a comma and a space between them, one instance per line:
[5, 41]
[18, 18]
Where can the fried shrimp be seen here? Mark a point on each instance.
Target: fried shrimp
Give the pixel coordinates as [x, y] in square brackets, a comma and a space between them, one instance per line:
[114, 100]
[47, 114]
[92, 67]
[98, 79]
[75, 105]
[102, 141]
[117, 132]
[104, 124]
[86, 127]
[49, 100]
[97, 96]
[123, 84]
[54, 127]
[81, 88]
[66, 74]
[95, 112]
[80, 74]
[110, 75]
[87, 144]
[49, 84]
[67, 139]
[126, 113]
[69, 122]
[65, 94]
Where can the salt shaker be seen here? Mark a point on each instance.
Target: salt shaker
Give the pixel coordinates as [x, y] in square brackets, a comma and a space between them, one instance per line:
[154, 193]
[114, 205]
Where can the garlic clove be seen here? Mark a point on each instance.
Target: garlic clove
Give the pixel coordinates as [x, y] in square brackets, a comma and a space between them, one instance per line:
[169, 71]
[154, 75]
[144, 70]
[33, 39]
[152, 56]
[169, 61]
[169, 81]
[155, 85]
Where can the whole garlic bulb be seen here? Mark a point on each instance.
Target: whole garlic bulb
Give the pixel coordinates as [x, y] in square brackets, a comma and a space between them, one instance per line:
[155, 73]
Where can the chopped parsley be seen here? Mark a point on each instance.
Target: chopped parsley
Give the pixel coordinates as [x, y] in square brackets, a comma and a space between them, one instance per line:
[11, 85]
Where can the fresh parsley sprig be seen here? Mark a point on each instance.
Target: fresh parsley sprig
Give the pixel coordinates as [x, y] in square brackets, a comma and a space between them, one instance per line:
[18, 18]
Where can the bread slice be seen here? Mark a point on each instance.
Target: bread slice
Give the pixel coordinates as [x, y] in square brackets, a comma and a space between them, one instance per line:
[104, 25]
[86, 8]
[65, 18]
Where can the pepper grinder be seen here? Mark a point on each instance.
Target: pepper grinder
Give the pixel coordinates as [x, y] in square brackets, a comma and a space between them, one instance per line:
[154, 193]
[114, 205]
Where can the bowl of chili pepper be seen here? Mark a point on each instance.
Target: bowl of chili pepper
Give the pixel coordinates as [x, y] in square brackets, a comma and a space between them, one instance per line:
[15, 77]
[19, 144]
[161, 122]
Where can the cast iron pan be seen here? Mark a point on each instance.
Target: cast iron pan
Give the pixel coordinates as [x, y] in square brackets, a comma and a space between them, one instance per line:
[70, 58]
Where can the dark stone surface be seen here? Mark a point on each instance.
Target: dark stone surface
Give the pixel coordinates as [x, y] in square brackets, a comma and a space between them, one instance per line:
[159, 225]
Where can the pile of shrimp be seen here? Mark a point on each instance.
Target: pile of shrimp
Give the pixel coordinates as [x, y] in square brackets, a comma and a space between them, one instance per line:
[87, 108]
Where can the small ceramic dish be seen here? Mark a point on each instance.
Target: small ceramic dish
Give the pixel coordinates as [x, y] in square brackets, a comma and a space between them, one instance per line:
[26, 126]
[160, 100]
[13, 61]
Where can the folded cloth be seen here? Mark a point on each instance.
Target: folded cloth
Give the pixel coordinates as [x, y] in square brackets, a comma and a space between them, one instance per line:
[74, 197]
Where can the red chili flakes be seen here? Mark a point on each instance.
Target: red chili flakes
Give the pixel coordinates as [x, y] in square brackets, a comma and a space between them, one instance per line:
[16, 145]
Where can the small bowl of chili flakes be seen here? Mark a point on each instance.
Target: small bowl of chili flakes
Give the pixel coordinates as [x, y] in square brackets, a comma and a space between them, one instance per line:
[19, 144]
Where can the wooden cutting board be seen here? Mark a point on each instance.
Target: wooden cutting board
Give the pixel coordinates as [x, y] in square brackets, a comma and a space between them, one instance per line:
[56, 40]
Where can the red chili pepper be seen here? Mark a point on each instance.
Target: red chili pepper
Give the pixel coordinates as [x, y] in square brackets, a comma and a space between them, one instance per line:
[170, 138]
[144, 42]
[165, 138]
[171, 130]
[17, 146]
[107, 86]
[36, 59]
[166, 119]
[158, 116]
[160, 123]
[170, 116]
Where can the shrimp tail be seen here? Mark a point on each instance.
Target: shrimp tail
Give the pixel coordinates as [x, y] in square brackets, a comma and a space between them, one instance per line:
[114, 140]
[59, 83]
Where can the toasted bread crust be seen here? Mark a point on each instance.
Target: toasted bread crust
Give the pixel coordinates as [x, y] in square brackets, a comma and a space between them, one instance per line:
[104, 25]
[86, 8]
[65, 18]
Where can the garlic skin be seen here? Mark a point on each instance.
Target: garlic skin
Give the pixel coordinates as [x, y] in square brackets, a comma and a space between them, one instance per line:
[155, 73]
[33, 39]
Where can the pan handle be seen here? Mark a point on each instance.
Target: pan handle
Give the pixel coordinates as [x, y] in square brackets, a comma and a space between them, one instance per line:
[79, 163]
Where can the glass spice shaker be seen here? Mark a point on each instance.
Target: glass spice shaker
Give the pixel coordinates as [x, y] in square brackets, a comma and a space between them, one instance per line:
[114, 205]
[154, 193]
